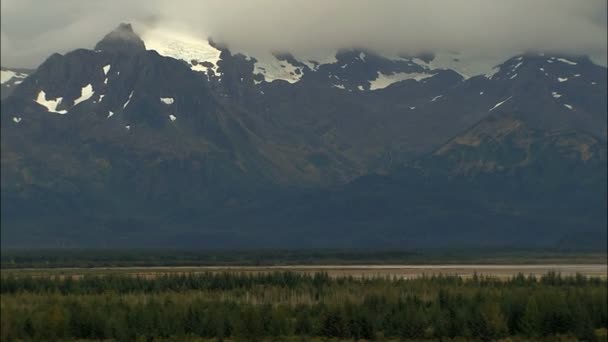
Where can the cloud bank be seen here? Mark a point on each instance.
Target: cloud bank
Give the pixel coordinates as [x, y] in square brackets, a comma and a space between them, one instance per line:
[33, 29]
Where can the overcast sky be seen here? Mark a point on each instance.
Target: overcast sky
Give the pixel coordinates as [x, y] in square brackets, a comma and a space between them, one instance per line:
[33, 29]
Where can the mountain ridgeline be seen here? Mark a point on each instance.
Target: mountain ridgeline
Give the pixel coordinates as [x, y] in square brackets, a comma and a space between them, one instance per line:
[142, 142]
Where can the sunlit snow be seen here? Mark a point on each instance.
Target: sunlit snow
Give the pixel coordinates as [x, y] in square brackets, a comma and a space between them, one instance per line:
[106, 69]
[167, 100]
[85, 93]
[7, 75]
[517, 65]
[16, 119]
[562, 79]
[272, 69]
[568, 106]
[500, 104]
[184, 47]
[201, 68]
[466, 64]
[129, 100]
[172, 117]
[383, 81]
[50, 105]
[563, 60]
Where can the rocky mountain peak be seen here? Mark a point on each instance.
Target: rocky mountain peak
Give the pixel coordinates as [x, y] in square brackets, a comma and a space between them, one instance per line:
[122, 39]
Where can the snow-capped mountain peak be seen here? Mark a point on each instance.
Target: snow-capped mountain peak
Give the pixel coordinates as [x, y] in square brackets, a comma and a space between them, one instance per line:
[199, 53]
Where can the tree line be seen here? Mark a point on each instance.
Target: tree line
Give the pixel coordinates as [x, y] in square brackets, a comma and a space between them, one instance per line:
[252, 307]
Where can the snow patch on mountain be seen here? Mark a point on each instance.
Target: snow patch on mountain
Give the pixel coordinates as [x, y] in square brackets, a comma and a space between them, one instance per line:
[563, 60]
[273, 69]
[383, 80]
[466, 64]
[106, 69]
[500, 103]
[128, 100]
[7, 75]
[85, 93]
[517, 65]
[50, 105]
[167, 100]
[190, 49]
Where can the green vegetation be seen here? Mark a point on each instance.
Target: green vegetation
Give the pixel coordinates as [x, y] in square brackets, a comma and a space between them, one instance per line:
[284, 306]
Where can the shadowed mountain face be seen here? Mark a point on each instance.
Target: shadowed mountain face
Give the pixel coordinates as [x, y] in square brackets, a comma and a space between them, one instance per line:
[122, 40]
[123, 146]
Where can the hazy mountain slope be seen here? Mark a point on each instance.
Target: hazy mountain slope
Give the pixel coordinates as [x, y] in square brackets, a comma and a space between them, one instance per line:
[196, 145]
[10, 78]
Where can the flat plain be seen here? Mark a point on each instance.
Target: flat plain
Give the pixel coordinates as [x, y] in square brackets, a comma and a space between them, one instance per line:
[357, 271]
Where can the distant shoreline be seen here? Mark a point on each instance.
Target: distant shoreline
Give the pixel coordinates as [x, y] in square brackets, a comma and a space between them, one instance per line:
[356, 271]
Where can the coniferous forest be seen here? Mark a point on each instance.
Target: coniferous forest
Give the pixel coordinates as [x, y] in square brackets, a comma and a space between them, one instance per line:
[287, 306]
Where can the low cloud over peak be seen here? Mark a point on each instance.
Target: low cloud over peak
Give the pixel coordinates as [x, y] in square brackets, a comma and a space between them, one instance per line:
[31, 29]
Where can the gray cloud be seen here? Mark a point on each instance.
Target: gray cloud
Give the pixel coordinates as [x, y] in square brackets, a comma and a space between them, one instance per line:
[33, 29]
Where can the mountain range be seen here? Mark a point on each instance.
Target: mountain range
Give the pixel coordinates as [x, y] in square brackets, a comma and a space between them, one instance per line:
[161, 140]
